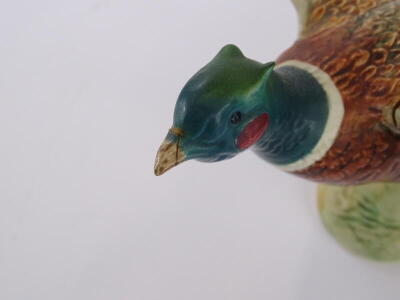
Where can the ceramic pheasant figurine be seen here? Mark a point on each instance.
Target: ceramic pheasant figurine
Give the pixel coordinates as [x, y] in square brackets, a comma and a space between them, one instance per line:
[327, 110]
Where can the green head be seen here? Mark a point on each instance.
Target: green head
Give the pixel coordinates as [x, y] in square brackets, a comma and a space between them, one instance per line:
[221, 111]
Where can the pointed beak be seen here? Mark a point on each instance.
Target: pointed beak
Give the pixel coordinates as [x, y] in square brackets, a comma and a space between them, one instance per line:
[168, 156]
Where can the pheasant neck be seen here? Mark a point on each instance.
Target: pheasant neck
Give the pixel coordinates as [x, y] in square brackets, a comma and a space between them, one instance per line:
[298, 108]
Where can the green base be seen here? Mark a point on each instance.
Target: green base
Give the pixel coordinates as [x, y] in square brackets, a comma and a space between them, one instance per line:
[364, 219]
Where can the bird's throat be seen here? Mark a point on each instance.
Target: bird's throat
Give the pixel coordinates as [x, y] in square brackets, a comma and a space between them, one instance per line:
[298, 108]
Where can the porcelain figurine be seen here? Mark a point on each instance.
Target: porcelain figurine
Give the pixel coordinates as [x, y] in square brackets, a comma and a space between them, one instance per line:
[327, 110]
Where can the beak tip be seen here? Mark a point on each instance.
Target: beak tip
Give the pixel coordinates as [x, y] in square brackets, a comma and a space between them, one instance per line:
[168, 156]
[158, 172]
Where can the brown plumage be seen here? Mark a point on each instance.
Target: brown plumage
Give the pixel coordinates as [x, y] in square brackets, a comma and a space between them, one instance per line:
[357, 42]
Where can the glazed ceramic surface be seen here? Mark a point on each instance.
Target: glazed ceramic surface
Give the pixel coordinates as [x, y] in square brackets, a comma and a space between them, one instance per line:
[326, 110]
[356, 43]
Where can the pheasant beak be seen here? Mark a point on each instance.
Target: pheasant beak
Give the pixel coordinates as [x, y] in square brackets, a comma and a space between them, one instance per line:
[169, 155]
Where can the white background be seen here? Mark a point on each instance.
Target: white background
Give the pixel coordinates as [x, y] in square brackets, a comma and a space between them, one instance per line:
[87, 90]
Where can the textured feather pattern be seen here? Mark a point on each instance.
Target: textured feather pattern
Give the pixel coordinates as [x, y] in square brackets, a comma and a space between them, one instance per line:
[357, 43]
[316, 15]
[364, 219]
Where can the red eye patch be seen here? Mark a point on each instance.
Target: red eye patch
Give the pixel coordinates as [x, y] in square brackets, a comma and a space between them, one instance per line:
[252, 132]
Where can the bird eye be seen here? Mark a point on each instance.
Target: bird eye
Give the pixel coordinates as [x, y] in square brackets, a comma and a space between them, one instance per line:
[236, 117]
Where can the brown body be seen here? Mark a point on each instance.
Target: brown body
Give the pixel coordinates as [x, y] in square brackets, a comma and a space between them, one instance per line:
[357, 42]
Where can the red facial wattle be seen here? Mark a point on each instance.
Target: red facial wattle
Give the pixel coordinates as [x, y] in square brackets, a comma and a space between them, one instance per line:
[252, 132]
